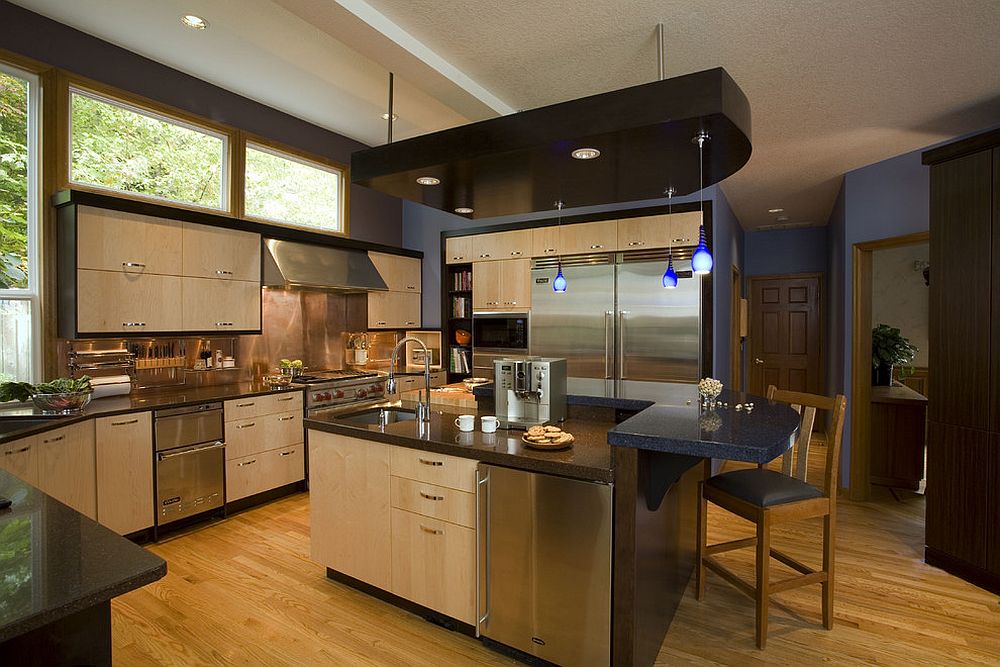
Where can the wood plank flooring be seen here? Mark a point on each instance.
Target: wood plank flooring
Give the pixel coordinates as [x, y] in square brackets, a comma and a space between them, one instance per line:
[244, 592]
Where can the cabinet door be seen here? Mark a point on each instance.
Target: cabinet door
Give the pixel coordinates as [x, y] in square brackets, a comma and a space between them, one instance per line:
[213, 304]
[246, 437]
[263, 471]
[486, 286]
[458, 250]
[515, 284]
[20, 458]
[115, 240]
[434, 564]
[380, 315]
[67, 469]
[648, 231]
[349, 506]
[545, 241]
[959, 324]
[589, 237]
[684, 228]
[216, 252]
[124, 452]
[401, 274]
[501, 245]
[127, 302]
[393, 310]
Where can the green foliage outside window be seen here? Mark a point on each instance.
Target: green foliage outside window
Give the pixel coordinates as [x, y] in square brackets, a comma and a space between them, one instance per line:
[287, 190]
[119, 148]
[13, 182]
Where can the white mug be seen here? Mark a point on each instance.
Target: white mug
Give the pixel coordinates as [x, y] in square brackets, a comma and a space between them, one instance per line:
[489, 424]
[466, 422]
[360, 356]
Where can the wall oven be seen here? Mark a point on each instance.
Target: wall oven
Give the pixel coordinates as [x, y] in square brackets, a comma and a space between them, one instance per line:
[495, 336]
[190, 461]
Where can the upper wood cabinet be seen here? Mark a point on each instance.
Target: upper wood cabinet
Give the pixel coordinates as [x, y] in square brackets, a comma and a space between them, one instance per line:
[117, 241]
[486, 285]
[216, 252]
[458, 250]
[125, 302]
[501, 245]
[400, 273]
[124, 453]
[393, 310]
[215, 304]
[502, 285]
[684, 228]
[588, 237]
[658, 231]
[545, 241]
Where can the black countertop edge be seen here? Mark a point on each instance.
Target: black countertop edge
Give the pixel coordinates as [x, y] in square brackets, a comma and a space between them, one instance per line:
[115, 405]
[631, 404]
[704, 449]
[531, 464]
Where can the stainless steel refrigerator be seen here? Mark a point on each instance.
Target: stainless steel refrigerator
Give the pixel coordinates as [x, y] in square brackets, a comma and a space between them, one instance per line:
[621, 332]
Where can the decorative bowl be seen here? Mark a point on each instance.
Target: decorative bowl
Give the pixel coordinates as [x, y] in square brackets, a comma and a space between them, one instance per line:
[291, 371]
[462, 337]
[61, 404]
[474, 382]
[278, 381]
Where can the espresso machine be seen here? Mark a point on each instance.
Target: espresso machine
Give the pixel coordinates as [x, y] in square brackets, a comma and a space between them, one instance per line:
[529, 391]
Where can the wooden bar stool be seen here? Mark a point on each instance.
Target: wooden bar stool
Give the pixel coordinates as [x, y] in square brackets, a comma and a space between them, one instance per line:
[768, 497]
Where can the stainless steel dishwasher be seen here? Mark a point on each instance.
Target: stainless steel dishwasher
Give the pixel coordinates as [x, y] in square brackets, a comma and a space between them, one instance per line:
[190, 461]
[544, 565]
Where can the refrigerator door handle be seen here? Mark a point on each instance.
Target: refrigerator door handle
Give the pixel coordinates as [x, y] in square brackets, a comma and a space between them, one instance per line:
[609, 323]
[482, 546]
[621, 352]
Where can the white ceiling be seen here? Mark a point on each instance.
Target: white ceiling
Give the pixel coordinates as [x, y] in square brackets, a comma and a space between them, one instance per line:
[833, 85]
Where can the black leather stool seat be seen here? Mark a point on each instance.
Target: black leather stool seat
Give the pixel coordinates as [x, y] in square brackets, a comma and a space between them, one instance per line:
[763, 487]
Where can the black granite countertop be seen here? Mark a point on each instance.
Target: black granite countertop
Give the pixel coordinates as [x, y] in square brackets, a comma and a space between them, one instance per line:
[54, 561]
[112, 405]
[590, 458]
[723, 433]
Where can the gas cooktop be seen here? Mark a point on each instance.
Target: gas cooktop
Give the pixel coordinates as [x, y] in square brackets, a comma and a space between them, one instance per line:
[334, 375]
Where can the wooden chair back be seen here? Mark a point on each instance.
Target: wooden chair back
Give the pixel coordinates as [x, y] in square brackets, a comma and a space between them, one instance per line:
[807, 405]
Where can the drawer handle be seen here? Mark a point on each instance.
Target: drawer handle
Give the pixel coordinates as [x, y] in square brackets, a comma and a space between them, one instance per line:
[411, 287]
[223, 272]
[246, 463]
[485, 254]
[550, 250]
[245, 405]
[288, 453]
[286, 398]
[55, 439]
[9, 452]
[380, 323]
[413, 324]
[429, 496]
[428, 462]
[632, 244]
[680, 240]
[250, 425]
[223, 324]
[125, 423]
[285, 419]
[133, 324]
[458, 257]
[432, 531]
[515, 253]
[133, 265]
[596, 246]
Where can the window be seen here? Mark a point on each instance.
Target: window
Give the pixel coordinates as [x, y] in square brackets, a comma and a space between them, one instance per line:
[20, 344]
[120, 147]
[287, 189]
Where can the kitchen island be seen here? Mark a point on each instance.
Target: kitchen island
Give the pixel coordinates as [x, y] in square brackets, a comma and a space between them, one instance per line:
[58, 573]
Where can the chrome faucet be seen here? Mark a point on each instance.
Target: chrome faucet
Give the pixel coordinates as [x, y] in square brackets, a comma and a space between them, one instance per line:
[423, 408]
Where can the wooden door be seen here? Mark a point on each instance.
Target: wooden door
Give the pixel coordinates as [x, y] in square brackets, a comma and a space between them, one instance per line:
[589, 237]
[124, 452]
[684, 228]
[216, 252]
[110, 240]
[67, 469]
[648, 231]
[545, 241]
[458, 250]
[515, 284]
[212, 304]
[786, 334]
[113, 301]
[486, 285]
[407, 309]
[401, 274]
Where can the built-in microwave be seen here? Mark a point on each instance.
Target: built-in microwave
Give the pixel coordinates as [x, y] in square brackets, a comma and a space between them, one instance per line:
[497, 335]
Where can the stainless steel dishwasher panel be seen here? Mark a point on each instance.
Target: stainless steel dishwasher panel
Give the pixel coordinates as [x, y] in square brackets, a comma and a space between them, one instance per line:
[190, 425]
[189, 480]
[545, 565]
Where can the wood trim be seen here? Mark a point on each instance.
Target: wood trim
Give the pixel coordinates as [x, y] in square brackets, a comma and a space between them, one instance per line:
[973, 144]
[861, 354]
[24, 62]
[48, 290]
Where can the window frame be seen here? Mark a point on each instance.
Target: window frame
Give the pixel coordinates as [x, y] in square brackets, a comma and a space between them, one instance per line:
[32, 294]
[342, 171]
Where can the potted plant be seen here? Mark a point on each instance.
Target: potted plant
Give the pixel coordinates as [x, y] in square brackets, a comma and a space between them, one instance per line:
[889, 348]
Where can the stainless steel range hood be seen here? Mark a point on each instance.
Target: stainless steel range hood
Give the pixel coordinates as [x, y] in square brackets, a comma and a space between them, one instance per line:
[308, 266]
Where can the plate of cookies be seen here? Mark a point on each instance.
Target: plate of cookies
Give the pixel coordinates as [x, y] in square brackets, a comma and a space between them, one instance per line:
[547, 437]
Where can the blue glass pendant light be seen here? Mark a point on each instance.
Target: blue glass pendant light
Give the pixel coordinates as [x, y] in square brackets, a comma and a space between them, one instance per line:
[701, 260]
[559, 284]
[670, 276]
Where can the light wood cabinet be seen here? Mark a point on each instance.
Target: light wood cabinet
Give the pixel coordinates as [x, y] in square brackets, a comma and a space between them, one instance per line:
[264, 449]
[264, 471]
[263, 432]
[434, 564]
[458, 250]
[124, 454]
[501, 245]
[435, 501]
[66, 466]
[217, 252]
[588, 237]
[127, 302]
[545, 241]
[214, 304]
[502, 285]
[393, 310]
[20, 458]
[648, 231]
[451, 471]
[116, 241]
[684, 228]
[243, 408]
[349, 506]
[400, 273]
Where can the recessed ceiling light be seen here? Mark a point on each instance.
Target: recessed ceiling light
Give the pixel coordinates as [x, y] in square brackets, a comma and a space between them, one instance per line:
[385, 116]
[586, 153]
[775, 210]
[192, 21]
[428, 180]
[464, 210]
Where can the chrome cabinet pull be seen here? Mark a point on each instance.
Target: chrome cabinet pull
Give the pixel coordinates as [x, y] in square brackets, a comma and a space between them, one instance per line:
[223, 324]
[632, 244]
[758, 361]
[432, 531]
[125, 423]
[411, 287]
[457, 257]
[411, 324]
[428, 462]
[55, 439]
[609, 324]
[246, 463]
[134, 265]
[133, 324]
[550, 250]
[596, 246]
[485, 254]
[245, 405]
[428, 496]
[515, 253]
[680, 240]
[250, 425]
[288, 453]
[285, 419]
[223, 272]
[286, 398]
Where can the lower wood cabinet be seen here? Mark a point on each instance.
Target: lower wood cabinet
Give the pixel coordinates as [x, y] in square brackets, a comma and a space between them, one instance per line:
[66, 466]
[124, 452]
[450, 471]
[20, 458]
[264, 444]
[264, 471]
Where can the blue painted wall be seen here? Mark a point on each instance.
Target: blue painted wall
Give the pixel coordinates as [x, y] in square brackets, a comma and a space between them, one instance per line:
[780, 251]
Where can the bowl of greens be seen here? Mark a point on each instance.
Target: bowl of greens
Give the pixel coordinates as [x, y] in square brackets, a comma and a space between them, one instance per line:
[61, 396]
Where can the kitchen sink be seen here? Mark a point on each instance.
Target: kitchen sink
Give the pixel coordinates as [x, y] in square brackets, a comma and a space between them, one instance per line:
[13, 424]
[371, 416]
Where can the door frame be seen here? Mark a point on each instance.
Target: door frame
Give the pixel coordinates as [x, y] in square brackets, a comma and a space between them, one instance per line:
[735, 340]
[861, 357]
[821, 277]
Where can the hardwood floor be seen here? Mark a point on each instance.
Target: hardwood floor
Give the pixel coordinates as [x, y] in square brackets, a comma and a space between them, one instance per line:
[244, 592]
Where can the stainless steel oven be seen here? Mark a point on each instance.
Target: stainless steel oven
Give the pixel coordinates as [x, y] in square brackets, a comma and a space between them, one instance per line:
[190, 461]
[497, 336]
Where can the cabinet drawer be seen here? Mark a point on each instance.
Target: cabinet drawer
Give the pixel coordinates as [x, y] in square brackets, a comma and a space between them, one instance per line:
[246, 437]
[264, 471]
[253, 406]
[284, 429]
[434, 564]
[451, 471]
[434, 501]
